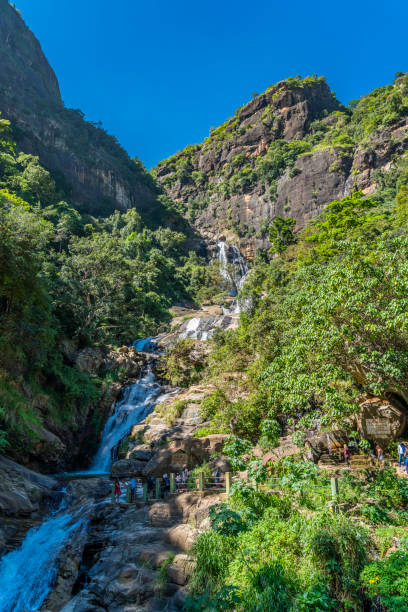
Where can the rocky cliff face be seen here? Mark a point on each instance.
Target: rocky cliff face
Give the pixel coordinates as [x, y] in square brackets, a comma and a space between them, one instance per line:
[288, 152]
[93, 169]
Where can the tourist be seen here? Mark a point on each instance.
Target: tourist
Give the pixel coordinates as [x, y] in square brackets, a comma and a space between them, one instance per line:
[184, 475]
[401, 453]
[132, 488]
[380, 456]
[117, 491]
[165, 483]
[178, 480]
[347, 455]
[150, 485]
[216, 476]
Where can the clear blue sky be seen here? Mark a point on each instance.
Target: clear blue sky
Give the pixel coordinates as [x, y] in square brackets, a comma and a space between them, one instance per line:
[160, 73]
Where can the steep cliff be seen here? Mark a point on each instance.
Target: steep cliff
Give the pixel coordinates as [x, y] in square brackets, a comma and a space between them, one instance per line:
[91, 167]
[288, 152]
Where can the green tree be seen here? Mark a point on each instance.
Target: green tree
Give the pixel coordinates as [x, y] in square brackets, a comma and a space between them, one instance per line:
[281, 234]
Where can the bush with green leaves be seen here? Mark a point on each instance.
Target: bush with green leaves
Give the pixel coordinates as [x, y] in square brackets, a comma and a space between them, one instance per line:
[271, 558]
[105, 280]
[386, 581]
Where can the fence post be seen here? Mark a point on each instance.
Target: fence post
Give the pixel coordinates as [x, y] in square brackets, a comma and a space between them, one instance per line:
[201, 481]
[172, 483]
[157, 488]
[145, 492]
[335, 493]
[113, 494]
[335, 488]
[227, 483]
[255, 485]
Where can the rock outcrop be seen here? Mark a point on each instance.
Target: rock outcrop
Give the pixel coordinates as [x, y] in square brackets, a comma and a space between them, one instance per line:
[89, 164]
[135, 557]
[25, 496]
[288, 153]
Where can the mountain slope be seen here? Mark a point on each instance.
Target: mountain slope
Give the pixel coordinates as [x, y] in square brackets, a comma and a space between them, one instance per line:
[90, 166]
[288, 152]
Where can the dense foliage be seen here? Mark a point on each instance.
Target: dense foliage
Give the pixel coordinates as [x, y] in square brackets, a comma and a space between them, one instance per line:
[328, 320]
[66, 275]
[287, 551]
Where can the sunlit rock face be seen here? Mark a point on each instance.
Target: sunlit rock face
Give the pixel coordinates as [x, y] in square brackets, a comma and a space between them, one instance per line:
[227, 200]
[91, 166]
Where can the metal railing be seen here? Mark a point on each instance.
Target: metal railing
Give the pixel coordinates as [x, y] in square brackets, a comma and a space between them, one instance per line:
[158, 488]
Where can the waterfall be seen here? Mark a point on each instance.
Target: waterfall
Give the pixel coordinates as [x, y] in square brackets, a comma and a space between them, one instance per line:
[28, 574]
[223, 259]
[240, 265]
[234, 269]
[138, 400]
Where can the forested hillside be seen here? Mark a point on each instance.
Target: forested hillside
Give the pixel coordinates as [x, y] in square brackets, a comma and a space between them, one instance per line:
[288, 152]
[323, 335]
[63, 275]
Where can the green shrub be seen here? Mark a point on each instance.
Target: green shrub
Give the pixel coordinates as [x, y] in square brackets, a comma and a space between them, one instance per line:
[386, 581]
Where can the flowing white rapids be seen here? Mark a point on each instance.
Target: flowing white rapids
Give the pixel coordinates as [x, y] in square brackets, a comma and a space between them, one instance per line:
[28, 574]
[234, 270]
[138, 400]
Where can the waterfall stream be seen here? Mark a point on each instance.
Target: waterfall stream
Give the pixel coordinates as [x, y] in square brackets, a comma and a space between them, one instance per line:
[234, 270]
[28, 574]
[138, 400]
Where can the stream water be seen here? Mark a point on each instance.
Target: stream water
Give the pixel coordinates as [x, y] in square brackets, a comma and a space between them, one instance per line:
[28, 574]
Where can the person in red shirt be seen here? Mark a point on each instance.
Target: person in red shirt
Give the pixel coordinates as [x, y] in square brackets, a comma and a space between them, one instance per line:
[117, 490]
[347, 455]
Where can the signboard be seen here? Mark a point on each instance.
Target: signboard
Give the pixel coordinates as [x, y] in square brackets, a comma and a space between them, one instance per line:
[378, 427]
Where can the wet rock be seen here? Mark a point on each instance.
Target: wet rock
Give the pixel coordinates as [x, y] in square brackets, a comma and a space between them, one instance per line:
[80, 489]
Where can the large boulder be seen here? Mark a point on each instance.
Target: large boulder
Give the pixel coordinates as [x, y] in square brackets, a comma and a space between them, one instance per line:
[381, 421]
[187, 451]
[24, 498]
[126, 467]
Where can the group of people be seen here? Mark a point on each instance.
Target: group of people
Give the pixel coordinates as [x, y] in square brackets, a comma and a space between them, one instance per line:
[378, 456]
[181, 483]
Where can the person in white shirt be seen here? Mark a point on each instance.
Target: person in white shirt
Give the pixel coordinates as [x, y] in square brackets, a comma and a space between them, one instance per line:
[401, 453]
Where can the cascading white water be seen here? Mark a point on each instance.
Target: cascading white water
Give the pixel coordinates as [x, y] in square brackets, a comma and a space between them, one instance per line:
[223, 259]
[240, 265]
[138, 400]
[28, 574]
[235, 275]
